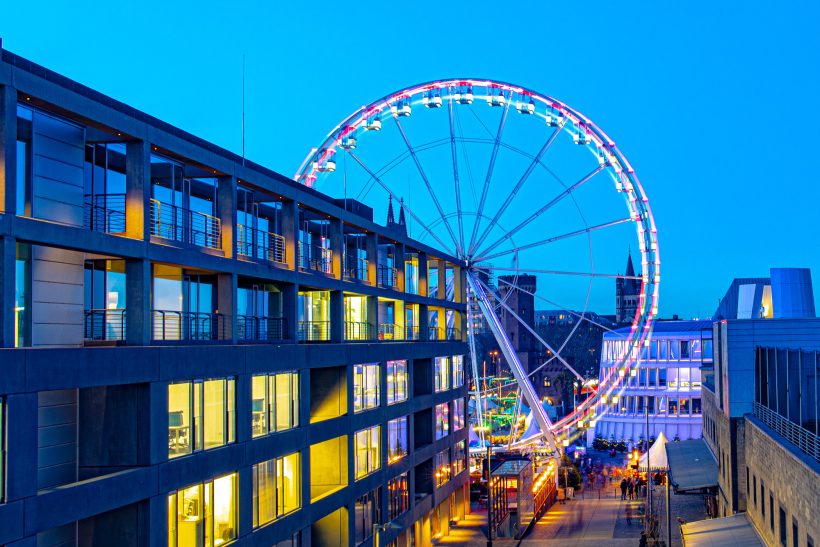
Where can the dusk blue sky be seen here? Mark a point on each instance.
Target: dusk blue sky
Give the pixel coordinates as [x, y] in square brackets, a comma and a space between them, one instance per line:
[714, 104]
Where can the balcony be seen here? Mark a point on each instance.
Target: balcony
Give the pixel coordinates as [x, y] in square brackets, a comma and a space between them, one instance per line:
[390, 331]
[442, 333]
[261, 329]
[189, 326]
[411, 333]
[258, 244]
[800, 437]
[104, 324]
[179, 224]
[356, 270]
[359, 331]
[386, 276]
[104, 213]
[316, 258]
[313, 331]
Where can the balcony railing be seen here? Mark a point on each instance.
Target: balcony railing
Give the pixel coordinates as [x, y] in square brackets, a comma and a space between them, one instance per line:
[390, 331]
[104, 213]
[316, 258]
[412, 332]
[263, 329]
[359, 330]
[173, 222]
[104, 324]
[259, 244]
[313, 331]
[386, 275]
[799, 436]
[356, 269]
[178, 325]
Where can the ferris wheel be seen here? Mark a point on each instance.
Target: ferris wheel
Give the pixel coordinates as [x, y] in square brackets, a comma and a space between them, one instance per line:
[527, 193]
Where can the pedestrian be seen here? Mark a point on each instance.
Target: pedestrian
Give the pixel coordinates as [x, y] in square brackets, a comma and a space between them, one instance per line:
[630, 487]
[643, 542]
[623, 489]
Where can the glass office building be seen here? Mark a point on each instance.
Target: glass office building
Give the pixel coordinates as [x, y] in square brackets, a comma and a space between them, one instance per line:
[196, 350]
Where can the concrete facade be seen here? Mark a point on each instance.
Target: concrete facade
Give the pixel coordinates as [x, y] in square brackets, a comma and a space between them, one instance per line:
[84, 388]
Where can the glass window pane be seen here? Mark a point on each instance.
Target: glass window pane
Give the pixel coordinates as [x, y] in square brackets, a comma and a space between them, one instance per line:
[284, 407]
[214, 413]
[231, 410]
[179, 419]
[264, 492]
[289, 484]
[190, 513]
[224, 509]
[197, 422]
[259, 406]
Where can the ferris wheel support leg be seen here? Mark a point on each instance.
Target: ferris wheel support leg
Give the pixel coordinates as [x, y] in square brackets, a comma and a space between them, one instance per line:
[527, 390]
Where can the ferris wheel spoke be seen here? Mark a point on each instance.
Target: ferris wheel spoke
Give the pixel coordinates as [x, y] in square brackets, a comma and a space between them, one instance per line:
[456, 182]
[396, 197]
[580, 316]
[518, 185]
[586, 178]
[428, 185]
[532, 331]
[547, 241]
[488, 177]
[490, 269]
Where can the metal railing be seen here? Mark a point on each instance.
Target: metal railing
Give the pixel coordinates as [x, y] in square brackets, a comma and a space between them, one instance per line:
[104, 213]
[104, 324]
[386, 275]
[799, 436]
[256, 243]
[411, 333]
[356, 269]
[265, 329]
[173, 222]
[179, 325]
[435, 333]
[452, 333]
[390, 331]
[313, 331]
[314, 257]
[358, 330]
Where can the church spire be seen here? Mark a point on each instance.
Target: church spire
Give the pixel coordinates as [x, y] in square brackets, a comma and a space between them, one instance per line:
[402, 221]
[391, 218]
[630, 271]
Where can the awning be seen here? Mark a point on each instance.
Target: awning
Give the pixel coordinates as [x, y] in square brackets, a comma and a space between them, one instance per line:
[736, 530]
[691, 465]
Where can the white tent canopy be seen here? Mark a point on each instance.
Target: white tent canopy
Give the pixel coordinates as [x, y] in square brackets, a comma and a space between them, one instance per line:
[656, 455]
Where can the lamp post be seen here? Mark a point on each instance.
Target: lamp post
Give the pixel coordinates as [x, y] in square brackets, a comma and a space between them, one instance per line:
[489, 497]
[649, 481]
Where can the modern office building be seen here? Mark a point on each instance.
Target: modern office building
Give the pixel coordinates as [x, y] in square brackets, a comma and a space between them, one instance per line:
[760, 410]
[197, 351]
[666, 388]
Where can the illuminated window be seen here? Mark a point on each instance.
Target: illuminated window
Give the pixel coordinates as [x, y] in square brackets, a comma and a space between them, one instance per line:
[203, 514]
[396, 381]
[458, 370]
[368, 451]
[365, 387]
[458, 414]
[277, 486]
[22, 295]
[442, 467]
[274, 402]
[411, 274]
[200, 415]
[367, 512]
[442, 374]
[673, 406]
[459, 457]
[442, 420]
[396, 439]
[398, 492]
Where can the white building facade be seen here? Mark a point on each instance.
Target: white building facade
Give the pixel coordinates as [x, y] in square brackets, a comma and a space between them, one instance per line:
[665, 388]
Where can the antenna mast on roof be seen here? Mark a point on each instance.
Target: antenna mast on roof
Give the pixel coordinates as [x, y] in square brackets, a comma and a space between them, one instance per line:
[243, 109]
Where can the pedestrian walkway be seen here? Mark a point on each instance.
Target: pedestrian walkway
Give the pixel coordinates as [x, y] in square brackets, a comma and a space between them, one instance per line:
[589, 522]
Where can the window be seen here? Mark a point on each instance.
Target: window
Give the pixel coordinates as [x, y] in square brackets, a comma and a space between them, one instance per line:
[747, 482]
[650, 404]
[274, 402]
[22, 296]
[203, 514]
[674, 350]
[459, 457]
[458, 370]
[366, 514]
[2, 450]
[684, 349]
[442, 467]
[696, 406]
[277, 488]
[398, 493]
[653, 350]
[458, 414]
[684, 406]
[795, 533]
[396, 382]
[442, 374]
[762, 499]
[200, 415]
[396, 439]
[442, 420]
[754, 488]
[661, 377]
[664, 352]
[368, 451]
[771, 512]
[365, 387]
